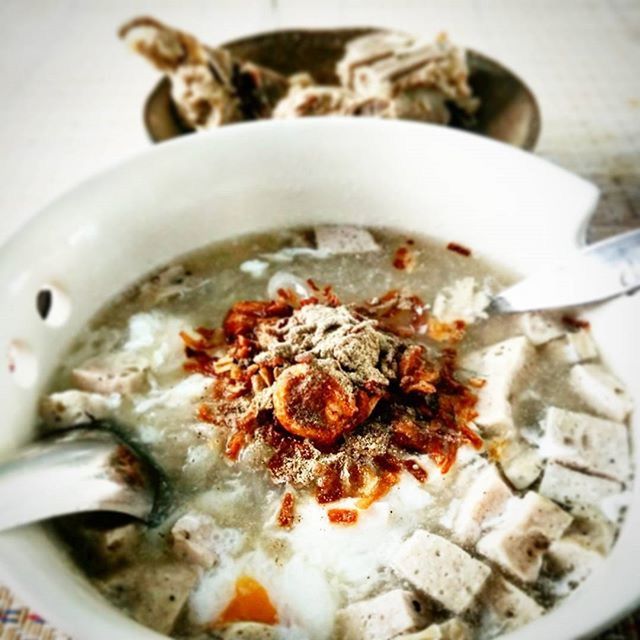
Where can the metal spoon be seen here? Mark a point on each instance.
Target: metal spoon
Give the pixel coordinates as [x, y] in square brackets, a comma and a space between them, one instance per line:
[88, 468]
[602, 271]
[508, 112]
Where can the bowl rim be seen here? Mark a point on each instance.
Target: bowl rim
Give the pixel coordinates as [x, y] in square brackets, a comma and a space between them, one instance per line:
[131, 158]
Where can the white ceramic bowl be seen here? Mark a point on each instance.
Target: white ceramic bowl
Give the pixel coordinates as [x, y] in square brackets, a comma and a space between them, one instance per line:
[506, 204]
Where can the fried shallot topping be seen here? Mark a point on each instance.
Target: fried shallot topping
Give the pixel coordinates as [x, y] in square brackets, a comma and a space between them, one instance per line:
[332, 398]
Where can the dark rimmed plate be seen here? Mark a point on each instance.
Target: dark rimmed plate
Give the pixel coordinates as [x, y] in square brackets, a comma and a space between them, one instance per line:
[509, 111]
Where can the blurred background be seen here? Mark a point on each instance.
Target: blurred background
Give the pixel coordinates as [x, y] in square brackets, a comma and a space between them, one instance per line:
[73, 95]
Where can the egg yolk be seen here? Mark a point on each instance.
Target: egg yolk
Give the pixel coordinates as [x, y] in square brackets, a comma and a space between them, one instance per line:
[250, 603]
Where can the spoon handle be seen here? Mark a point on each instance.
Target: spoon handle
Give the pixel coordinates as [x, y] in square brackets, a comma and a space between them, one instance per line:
[79, 471]
[602, 271]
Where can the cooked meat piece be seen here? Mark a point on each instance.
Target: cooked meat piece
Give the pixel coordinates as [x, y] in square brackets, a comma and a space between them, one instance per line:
[317, 101]
[570, 557]
[572, 488]
[576, 347]
[454, 629]
[463, 300]
[601, 391]
[419, 103]
[499, 365]
[198, 539]
[154, 593]
[592, 530]
[382, 617]
[338, 239]
[172, 282]
[592, 444]
[440, 569]
[310, 402]
[72, 408]
[368, 49]
[386, 65]
[539, 328]
[201, 78]
[527, 529]
[117, 373]
[485, 499]
[508, 606]
[113, 546]
[249, 631]
[521, 464]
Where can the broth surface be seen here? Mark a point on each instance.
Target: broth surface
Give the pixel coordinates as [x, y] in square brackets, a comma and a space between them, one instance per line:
[308, 575]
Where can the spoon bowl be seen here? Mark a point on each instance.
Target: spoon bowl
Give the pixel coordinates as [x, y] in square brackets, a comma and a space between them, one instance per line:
[508, 110]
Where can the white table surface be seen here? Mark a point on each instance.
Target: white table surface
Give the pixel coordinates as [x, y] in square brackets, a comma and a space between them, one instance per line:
[72, 94]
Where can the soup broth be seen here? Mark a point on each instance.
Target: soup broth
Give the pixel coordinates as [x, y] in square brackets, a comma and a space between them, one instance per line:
[356, 449]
